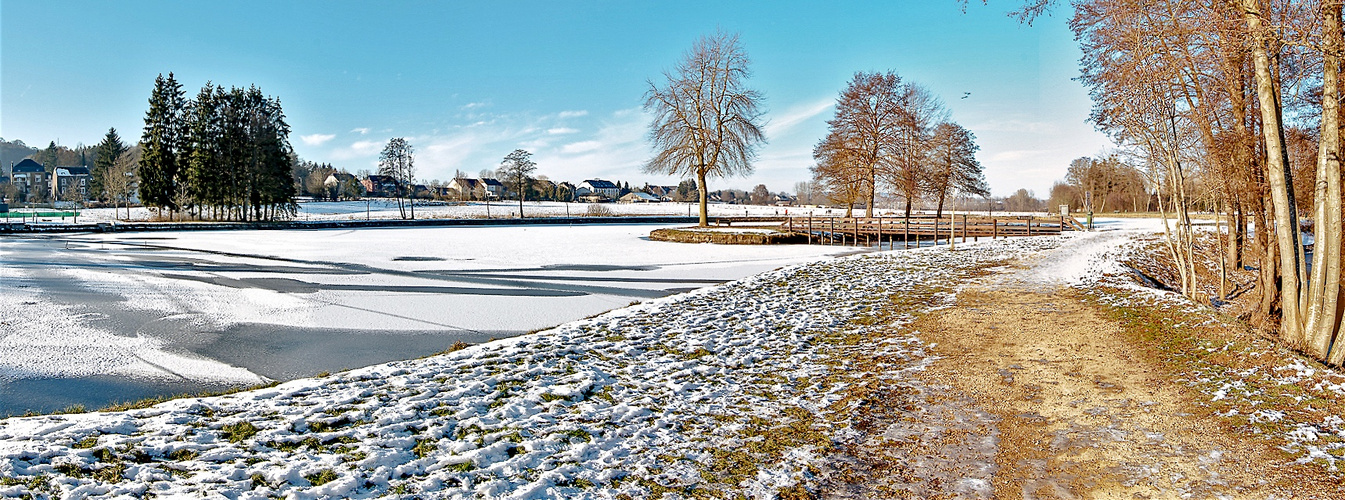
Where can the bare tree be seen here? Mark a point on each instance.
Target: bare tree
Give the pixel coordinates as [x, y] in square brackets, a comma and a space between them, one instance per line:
[867, 124]
[953, 167]
[119, 179]
[706, 121]
[516, 170]
[839, 172]
[398, 162]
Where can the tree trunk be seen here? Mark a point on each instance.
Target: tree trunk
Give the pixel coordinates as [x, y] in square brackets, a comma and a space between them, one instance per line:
[1323, 319]
[1281, 181]
[704, 197]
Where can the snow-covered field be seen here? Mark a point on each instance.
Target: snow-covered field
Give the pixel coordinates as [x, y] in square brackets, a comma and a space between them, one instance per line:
[663, 396]
[170, 312]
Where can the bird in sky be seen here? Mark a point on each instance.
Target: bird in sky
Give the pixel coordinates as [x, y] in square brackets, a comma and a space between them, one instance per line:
[966, 95]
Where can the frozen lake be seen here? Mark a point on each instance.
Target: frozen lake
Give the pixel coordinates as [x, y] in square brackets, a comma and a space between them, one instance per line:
[91, 318]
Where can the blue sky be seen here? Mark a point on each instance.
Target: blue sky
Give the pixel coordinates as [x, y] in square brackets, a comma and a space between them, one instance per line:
[467, 83]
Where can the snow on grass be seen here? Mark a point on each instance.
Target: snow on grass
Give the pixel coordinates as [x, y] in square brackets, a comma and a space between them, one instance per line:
[728, 389]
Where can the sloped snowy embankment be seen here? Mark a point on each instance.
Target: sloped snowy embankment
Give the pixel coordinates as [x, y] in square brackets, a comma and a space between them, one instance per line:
[662, 396]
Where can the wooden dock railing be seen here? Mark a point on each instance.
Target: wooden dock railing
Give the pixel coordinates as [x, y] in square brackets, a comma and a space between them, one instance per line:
[870, 230]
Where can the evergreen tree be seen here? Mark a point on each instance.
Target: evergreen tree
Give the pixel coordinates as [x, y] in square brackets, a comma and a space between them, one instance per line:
[161, 143]
[106, 156]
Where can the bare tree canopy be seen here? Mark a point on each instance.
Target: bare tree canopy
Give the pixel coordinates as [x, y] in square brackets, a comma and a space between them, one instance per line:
[398, 162]
[880, 136]
[1217, 101]
[953, 167]
[706, 121]
[516, 170]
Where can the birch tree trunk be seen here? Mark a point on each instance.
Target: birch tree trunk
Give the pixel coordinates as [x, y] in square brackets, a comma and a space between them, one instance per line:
[1323, 318]
[1281, 178]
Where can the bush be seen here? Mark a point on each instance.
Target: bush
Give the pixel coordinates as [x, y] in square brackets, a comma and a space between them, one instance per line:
[596, 210]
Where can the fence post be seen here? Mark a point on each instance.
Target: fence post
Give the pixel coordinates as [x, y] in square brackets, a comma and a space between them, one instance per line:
[880, 233]
[1029, 225]
[832, 232]
[810, 229]
[964, 228]
[994, 228]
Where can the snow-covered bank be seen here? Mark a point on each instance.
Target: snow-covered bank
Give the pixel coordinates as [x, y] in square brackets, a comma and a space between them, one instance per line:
[661, 396]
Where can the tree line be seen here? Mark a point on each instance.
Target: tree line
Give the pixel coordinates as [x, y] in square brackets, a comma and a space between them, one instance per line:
[224, 155]
[1232, 105]
[890, 134]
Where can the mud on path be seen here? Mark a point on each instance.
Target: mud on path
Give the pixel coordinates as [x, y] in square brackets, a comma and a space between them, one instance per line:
[1075, 411]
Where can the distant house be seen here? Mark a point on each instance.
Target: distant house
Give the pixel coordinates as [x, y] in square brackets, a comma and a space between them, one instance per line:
[30, 178]
[71, 178]
[565, 191]
[380, 185]
[468, 189]
[342, 185]
[783, 200]
[494, 188]
[664, 193]
[598, 187]
[638, 197]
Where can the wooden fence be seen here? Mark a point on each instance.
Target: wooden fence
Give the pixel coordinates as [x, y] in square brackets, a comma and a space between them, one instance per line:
[871, 230]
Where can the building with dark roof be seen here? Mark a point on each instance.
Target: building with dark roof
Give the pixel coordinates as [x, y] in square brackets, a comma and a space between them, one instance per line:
[598, 187]
[66, 180]
[30, 178]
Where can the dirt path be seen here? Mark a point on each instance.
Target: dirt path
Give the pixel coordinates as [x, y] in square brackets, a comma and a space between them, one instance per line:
[1077, 411]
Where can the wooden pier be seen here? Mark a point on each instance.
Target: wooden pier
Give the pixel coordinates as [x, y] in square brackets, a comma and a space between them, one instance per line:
[915, 228]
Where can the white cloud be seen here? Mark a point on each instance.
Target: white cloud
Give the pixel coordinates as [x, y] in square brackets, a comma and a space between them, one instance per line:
[572, 114]
[561, 130]
[316, 139]
[474, 105]
[360, 130]
[580, 147]
[616, 151]
[356, 150]
[797, 114]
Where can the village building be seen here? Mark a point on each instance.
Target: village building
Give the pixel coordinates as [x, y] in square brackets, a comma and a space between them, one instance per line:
[598, 188]
[380, 185]
[30, 178]
[494, 188]
[638, 197]
[66, 180]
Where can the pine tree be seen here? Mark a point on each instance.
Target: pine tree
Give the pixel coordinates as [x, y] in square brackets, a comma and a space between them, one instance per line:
[160, 162]
[106, 156]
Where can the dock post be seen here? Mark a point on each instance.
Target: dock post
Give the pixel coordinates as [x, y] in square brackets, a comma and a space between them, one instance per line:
[880, 233]
[906, 233]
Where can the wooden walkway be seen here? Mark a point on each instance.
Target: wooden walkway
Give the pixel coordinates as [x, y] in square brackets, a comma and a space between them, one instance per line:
[891, 230]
